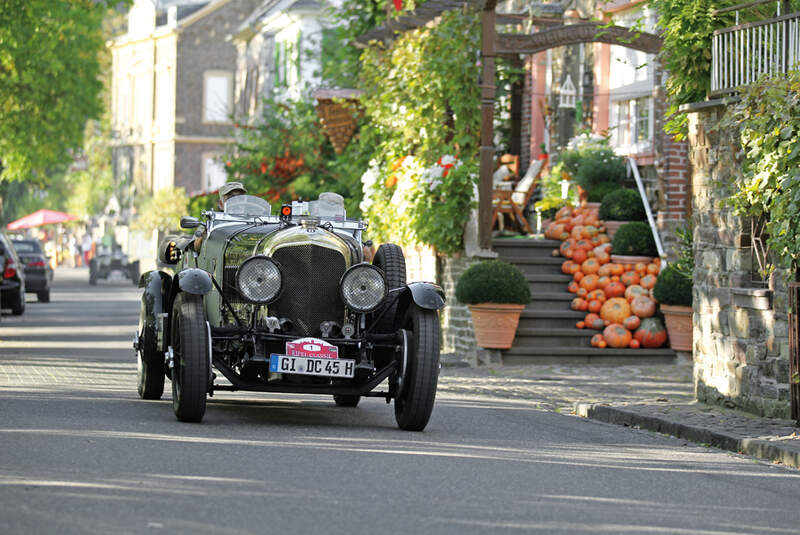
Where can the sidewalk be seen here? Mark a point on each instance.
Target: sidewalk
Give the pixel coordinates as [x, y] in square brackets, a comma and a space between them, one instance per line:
[657, 397]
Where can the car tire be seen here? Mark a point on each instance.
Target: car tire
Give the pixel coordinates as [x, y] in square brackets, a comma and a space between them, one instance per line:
[43, 296]
[414, 402]
[149, 364]
[190, 371]
[346, 400]
[92, 277]
[18, 306]
[391, 261]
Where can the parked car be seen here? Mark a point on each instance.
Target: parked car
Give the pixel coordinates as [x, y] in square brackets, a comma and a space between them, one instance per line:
[287, 304]
[12, 285]
[38, 272]
[109, 260]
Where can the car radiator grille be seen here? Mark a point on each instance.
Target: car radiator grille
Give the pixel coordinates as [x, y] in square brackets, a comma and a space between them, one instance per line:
[310, 295]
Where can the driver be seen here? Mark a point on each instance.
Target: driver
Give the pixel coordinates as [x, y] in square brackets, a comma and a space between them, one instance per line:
[228, 190]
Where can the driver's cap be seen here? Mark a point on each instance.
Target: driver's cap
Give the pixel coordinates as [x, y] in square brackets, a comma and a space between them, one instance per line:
[230, 187]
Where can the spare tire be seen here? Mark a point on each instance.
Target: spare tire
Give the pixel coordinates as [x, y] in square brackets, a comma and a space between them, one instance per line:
[391, 261]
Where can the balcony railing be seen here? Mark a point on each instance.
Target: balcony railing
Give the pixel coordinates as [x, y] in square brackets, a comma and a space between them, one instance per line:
[743, 53]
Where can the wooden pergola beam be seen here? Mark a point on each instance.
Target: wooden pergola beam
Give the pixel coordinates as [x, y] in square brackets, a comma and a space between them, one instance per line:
[513, 44]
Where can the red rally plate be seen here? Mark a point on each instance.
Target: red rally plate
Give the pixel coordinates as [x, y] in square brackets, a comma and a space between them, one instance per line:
[312, 347]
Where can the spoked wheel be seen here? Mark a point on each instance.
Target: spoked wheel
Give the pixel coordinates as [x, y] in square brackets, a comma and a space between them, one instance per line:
[149, 363]
[346, 400]
[417, 392]
[391, 261]
[190, 358]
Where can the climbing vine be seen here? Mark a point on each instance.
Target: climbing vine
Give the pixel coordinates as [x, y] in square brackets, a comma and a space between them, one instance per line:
[422, 100]
[768, 122]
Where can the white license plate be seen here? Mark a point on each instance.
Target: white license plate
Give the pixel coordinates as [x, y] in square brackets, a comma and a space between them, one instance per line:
[312, 366]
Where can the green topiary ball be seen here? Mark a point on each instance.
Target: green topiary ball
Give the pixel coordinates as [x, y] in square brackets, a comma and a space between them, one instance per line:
[600, 191]
[634, 239]
[493, 281]
[622, 205]
[673, 288]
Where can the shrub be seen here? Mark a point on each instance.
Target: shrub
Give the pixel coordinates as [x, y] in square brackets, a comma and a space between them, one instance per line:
[593, 163]
[634, 239]
[493, 281]
[622, 205]
[598, 192]
[673, 287]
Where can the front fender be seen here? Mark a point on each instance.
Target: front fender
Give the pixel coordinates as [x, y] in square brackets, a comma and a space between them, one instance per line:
[194, 281]
[427, 295]
[156, 286]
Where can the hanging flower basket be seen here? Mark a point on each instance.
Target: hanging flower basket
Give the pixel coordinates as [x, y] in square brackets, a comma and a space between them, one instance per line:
[338, 111]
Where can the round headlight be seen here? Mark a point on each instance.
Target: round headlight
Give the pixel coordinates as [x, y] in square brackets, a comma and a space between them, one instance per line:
[259, 279]
[363, 287]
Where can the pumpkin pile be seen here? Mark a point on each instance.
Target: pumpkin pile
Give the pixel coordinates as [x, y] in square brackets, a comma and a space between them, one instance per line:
[618, 298]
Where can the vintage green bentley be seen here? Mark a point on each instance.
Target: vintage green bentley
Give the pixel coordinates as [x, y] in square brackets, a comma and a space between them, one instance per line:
[287, 303]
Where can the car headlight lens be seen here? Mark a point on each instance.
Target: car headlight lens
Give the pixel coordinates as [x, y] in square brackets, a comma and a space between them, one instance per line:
[259, 279]
[363, 287]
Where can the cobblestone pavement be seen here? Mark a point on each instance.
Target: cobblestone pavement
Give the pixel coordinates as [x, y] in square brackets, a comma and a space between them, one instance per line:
[655, 397]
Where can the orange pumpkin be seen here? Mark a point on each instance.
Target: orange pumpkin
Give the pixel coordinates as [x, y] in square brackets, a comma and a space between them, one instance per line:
[634, 344]
[653, 269]
[603, 281]
[595, 305]
[577, 230]
[605, 270]
[577, 276]
[584, 244]
[596, 339]
[573, 287]
[642, 306]
[574, 268]
[597, 294]
[615, 310]
[632, 323]
[589, 282]
[565, 267]
[567, 247]
[640, 268]
[603, 238]
[603, 258]
[627, 267]
[580, 325]
[564, 211]
[593, 321]
[579, 255]
[578, 303]
[582, 292]
[617, 269]
[617, 336]
[629, 278]
[602, 344]
[653, 296]
[614, 289]
[651, 333]
[634, 291]
[554, 231]
[648, 281]
[590, 266]
[556, 252]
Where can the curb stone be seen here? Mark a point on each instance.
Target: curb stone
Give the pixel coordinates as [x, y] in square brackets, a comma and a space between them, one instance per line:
[762, 449]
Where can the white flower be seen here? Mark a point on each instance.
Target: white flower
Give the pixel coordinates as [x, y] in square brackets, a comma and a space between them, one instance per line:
[447, 159]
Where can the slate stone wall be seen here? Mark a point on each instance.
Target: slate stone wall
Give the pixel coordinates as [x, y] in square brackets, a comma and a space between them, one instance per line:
[740, 326]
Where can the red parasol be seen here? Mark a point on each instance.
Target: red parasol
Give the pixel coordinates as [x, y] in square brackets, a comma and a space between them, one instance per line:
[39, 218]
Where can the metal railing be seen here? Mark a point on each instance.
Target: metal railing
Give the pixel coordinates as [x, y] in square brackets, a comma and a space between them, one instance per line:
[743, 53]
[633, 168]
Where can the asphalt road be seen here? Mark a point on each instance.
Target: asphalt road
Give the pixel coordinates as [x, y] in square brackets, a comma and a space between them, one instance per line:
[81, 453]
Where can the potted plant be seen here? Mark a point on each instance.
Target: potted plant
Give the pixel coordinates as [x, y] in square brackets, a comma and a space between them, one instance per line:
[633, 243]
[496, 293]
[619, 207]
[673, 291]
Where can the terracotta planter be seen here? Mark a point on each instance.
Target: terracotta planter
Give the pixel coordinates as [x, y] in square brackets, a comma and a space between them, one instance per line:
[593, 205]
[495, 324]
[630, 259]
[613, 226]
[679, 326]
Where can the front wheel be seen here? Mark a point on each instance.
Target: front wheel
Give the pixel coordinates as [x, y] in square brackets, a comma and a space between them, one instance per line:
[149, 363]
[190, 371]
[18, 307]
[414, 402]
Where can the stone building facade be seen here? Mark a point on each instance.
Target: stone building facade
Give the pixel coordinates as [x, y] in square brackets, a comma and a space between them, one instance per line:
[741, 342]
[172, 93]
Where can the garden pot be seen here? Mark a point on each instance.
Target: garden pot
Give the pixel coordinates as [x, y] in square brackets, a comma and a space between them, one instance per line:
[679, 326]
[593, 206]
[612, 226]
[495, 324]
[630, 259]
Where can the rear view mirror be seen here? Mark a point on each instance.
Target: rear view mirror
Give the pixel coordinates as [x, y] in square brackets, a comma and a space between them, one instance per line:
[188, 222]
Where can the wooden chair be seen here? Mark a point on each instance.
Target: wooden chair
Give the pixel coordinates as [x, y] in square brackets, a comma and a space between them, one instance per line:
[513, 202]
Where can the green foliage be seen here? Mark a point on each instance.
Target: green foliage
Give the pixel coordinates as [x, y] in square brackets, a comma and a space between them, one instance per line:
[285, 155]
[673, 287]
[90, 189]
[686, 27]
[768, 122]
[622, 205]
[162, 211]
[592, 163]
[493, 281]
[599, 191]
[49, 81]
[201, 203]
[685, 262]
[422, 102]
[634, 238]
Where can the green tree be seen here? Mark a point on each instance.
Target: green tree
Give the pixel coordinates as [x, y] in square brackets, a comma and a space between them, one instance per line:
[49, 81]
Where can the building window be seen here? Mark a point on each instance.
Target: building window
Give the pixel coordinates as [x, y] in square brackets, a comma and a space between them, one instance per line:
[217, 96]
[632, 125]
[214, 174]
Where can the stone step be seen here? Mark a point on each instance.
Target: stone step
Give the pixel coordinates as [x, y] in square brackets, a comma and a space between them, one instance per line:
[551, 300]
[547, 283]
[553, 337]
[552, 320]
[586, 355]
